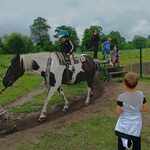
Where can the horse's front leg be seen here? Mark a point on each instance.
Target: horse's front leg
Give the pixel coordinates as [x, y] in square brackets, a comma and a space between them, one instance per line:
[89, 92]
[66, 106]
[44, 109]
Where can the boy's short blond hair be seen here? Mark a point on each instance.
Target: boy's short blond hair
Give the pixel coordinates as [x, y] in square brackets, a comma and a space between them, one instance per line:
[131, 80]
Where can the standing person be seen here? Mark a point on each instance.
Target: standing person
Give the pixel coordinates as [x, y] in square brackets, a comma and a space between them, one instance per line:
[95, 43]
[130, 105]
[107, 50]
[115, 56]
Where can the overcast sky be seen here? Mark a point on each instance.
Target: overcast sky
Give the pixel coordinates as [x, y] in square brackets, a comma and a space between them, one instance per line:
[130, 17]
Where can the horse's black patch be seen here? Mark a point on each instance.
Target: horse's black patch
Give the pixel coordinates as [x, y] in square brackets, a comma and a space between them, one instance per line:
[43, 74]
[14, 71]
[81, 76]
[35, 65]
[67, 76]
[52, 80]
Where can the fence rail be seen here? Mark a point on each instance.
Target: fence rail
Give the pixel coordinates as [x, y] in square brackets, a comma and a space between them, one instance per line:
[136, 68]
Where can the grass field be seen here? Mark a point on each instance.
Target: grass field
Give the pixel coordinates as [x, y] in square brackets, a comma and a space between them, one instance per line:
[133, 56]
[95, 133]
[23, 86]
[130, 56]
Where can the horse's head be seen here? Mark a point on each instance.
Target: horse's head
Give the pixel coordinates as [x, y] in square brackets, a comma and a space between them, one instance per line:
[14, 71]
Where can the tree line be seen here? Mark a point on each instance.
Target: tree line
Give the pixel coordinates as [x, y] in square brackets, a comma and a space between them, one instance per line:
[40, 40]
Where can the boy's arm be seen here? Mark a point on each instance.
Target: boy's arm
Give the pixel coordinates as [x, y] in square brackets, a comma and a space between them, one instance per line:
[119, 108]
[145, 107]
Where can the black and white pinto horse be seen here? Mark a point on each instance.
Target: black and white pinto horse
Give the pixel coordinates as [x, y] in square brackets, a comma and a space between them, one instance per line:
[54, 72]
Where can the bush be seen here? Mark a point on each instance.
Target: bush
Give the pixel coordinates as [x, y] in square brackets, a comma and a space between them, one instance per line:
[17, 43]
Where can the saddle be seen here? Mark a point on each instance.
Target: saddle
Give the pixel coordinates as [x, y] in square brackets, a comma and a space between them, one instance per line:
[65, 60]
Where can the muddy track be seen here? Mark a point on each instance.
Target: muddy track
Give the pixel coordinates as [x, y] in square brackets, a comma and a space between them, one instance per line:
[28, 121]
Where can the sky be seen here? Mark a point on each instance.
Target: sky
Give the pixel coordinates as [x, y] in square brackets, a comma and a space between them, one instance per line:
[130, 17]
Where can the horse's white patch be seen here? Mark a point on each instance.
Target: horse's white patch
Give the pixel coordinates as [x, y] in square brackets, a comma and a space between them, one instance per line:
[40, 58]
[78, 69]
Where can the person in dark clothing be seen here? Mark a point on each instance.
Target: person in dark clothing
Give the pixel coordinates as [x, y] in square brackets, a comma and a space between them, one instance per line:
[67, 49]
[67, 46]
[95, 43]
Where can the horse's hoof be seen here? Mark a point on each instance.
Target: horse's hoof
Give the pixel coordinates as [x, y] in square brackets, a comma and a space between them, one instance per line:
[91, 95]
[87, 103]
[66, 109]
[42, 118]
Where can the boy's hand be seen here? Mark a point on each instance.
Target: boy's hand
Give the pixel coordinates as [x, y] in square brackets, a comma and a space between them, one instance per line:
[119, 110]
[145, 108]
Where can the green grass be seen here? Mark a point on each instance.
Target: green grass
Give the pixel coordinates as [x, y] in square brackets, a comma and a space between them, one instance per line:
[146, 79]
[87, 135]
[129, 56]
[37, 102]
[95, 133]
[133, 56]
[24, 85]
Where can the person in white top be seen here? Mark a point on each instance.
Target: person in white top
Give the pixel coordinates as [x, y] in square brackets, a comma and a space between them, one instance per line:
[130, 105]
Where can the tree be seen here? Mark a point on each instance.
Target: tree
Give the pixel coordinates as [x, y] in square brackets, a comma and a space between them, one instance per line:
[17, 43]
[139, 41]
[148, 37]
[14, 43]
[39, 32]
[117, 39]
[1, 43]
[1, 46]
[28, 44]
[128, 45]
[148, 43]
[72, 34]
[85, 45]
